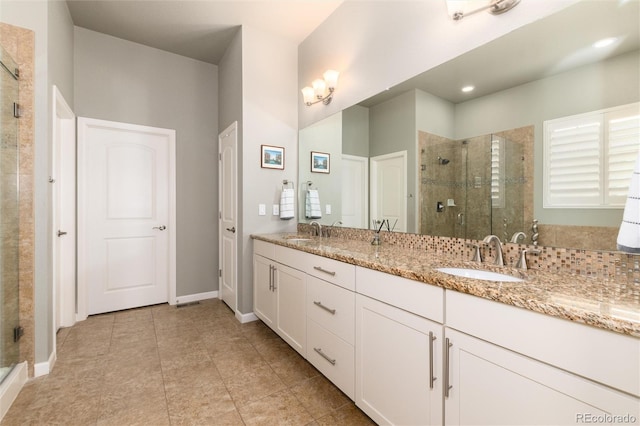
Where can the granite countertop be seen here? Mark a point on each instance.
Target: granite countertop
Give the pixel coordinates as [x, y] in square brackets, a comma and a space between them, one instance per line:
[601, 303]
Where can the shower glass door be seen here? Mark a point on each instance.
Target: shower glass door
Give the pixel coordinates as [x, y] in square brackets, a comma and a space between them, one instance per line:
[9, 308]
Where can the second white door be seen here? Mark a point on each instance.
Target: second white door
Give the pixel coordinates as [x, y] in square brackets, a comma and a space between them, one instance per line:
[227, 224]
[126, 247]
[389, 189]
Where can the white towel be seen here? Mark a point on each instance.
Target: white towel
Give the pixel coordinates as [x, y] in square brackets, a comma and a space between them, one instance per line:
[629, 234]
[312, 205]
[287, 204]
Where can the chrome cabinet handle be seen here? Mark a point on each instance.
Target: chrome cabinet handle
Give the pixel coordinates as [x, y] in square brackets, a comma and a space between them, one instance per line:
[431, 378]
[447, 385]
[318, 268]
[270, 277]
[161, 227]
[325, 356]
[273, 280]
[232, 229]
[320, 305]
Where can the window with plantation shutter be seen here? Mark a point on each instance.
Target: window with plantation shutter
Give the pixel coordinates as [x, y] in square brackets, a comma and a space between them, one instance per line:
[589, 158]
[497, 172]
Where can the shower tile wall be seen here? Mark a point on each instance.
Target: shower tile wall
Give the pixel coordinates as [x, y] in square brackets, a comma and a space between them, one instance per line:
[518, 163]
[9, 214]
[20, 44]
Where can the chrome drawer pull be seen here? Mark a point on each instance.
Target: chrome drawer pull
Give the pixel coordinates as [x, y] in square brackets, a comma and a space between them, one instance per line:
[431, 377]
[447, 350]
[318, 268]
[323, 355]
[320, 305]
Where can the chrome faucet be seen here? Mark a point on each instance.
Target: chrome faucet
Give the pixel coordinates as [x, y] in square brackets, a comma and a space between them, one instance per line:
[496, 242]
[319, 230]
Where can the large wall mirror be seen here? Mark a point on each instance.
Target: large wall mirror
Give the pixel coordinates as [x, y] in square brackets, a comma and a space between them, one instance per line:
[436, 160]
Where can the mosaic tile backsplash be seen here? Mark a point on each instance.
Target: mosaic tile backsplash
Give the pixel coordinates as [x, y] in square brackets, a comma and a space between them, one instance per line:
[609, 265]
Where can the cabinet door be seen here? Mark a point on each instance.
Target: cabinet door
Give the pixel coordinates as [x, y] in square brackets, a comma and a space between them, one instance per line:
[491, 385]
[291, 293]
[398, 365]
[264, 296]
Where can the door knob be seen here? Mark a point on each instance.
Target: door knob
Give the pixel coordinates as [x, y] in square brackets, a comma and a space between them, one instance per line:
[161, 227]
[61, 233]
[232, 230]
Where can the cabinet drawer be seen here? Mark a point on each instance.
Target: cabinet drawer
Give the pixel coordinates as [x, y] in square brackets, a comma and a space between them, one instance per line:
[332, 307]
[264, 249]
[335, 272]
[603, 356]
[413, 296]
[334, 357]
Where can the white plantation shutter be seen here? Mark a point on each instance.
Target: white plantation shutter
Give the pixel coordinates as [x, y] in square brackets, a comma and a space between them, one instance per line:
[589, 158]
[623, 132]
[497, 172]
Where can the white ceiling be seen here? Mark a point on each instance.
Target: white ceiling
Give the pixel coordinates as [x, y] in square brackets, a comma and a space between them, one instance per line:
[200, 29]
[552, 45]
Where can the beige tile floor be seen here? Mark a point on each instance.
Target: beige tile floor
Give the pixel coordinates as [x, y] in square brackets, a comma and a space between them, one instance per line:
[194, 365]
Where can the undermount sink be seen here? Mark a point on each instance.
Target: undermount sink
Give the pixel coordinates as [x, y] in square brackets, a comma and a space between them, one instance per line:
[480, 275]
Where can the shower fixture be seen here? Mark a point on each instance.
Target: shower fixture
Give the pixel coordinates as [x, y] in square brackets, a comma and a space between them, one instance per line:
[442, 161]
[495, 7]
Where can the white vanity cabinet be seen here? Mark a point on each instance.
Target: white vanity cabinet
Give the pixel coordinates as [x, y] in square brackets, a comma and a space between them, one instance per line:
[331, 319]
[508, 366]
[399, 337]
[279, 294]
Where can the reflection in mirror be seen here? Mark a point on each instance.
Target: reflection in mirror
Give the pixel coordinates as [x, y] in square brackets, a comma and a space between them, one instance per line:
[473, 187]
[542, 71]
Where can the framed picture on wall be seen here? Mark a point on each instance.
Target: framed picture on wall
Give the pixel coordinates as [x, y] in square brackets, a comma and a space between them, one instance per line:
[320, 162]
[272, 157]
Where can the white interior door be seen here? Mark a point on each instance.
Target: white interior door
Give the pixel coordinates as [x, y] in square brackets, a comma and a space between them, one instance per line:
[126, 247]
[63, 181]
[355, 191]
[389, 189]
[227, 193]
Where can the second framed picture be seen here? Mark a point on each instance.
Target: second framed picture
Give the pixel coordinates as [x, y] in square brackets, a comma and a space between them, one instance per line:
[320, 162]
[272, 157]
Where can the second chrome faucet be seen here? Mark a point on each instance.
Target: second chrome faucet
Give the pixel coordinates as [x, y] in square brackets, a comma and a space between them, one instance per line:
[493, 239]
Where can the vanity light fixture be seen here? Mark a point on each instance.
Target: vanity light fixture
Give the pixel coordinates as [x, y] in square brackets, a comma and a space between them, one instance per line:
[457, 8]
[322, 89]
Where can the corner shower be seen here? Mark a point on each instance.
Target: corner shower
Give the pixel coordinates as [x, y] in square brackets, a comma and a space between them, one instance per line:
[9, 216]
[471, 188]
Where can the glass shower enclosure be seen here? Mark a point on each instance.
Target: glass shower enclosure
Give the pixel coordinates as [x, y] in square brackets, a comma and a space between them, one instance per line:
[9, 216]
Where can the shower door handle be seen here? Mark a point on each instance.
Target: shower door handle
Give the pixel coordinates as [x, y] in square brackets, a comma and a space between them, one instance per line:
[61, 233]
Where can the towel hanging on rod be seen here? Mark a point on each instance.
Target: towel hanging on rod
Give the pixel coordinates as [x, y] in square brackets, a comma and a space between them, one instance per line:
[287, 202]
[312, 205]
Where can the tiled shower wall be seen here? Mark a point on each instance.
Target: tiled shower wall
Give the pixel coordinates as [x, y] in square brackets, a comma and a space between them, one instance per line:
[20, 44]
[9, 214]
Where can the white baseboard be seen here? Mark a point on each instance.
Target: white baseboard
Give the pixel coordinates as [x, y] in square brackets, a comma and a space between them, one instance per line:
[11, 387]
[44, 368]
[246, 317]
[196, 297]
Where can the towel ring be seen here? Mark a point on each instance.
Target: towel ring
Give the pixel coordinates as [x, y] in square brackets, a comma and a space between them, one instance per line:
[287, 182]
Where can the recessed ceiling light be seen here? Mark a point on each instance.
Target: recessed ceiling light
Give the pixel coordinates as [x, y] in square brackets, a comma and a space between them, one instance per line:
[604, 42]
[467, 89]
